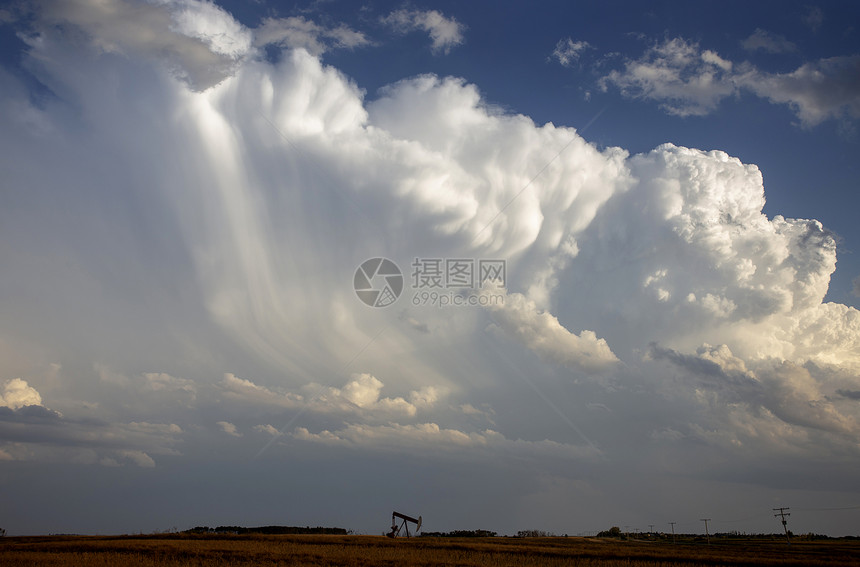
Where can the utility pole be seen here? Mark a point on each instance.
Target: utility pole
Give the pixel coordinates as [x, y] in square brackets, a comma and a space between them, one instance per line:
[673, 531]
[781, 513]
[651, 529]
[707, 535]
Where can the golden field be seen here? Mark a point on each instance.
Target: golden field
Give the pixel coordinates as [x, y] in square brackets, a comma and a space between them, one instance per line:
[173, 550]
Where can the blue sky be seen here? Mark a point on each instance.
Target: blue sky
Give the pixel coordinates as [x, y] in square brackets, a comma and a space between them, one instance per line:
[189, 187]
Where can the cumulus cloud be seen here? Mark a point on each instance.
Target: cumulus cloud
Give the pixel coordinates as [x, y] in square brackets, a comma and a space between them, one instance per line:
[262, 193]
[298, 32]
[363, 391]
[445, 32]
[788, 392]
[360, 395]
[541, 332]
[687, 80]
[695, 260]
[17, 394]
[768, 42]
[567, 51]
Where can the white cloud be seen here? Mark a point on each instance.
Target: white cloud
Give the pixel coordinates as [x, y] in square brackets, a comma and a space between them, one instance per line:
[788, 392]
[693, 227]
[688, 81]
[361, 395]
[363, 391]
[426, 397]
[767, 41]
[17, 394]
[298, 32]
[138, 458]
[541, 332]
[445, 32]
[675, 73]
[430, 437]
[268, 429]
[567, 51]
[162, 382]
[245, 392]
[228, 428]
[816, 91]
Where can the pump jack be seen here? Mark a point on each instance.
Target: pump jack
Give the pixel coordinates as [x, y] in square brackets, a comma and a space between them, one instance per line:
[395, 529]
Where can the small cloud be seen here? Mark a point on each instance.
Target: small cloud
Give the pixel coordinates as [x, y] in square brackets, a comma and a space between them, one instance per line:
[676, 73]
[567, 51]
[162, 382]
[815, 91]
[425, 397]
[138, 458]
[688, 81]
[768, 42]
[267, 428]
[228, 428]
[445, 32]
[298, 32]
[469, 409]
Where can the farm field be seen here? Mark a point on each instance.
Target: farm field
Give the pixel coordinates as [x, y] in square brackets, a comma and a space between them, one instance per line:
[366, 551]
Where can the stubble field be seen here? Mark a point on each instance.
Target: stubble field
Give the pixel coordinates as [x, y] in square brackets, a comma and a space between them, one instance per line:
[365, 551]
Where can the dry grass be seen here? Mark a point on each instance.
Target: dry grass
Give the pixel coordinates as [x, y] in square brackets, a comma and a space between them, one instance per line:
[365, 551]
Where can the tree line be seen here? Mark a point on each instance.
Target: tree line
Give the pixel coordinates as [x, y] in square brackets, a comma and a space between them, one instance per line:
[267, 530]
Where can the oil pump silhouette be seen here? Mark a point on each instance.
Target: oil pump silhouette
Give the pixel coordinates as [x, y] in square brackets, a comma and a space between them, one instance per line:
[395, 529]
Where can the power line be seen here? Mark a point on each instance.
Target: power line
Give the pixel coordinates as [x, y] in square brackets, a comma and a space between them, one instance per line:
[739, 519]
[825, 509]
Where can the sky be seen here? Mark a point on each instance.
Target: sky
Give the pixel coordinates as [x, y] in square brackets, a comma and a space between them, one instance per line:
[504, 266]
